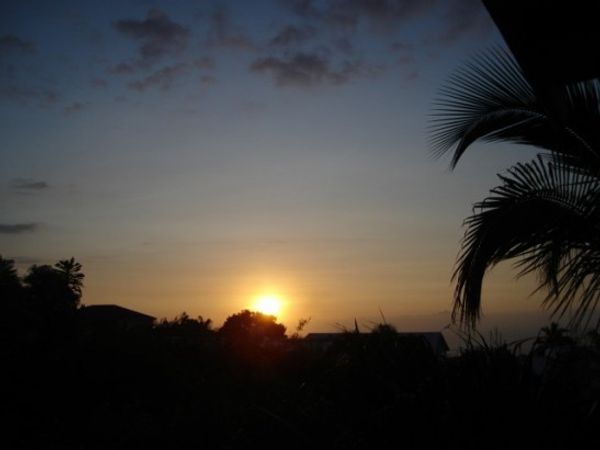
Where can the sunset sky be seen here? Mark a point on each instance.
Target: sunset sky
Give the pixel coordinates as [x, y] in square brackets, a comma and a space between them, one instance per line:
[194, 155]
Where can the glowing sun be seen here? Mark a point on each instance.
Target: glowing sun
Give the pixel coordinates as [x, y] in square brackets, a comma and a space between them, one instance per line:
[269, 304]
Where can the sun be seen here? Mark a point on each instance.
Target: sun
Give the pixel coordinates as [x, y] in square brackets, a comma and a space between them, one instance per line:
[269, 304]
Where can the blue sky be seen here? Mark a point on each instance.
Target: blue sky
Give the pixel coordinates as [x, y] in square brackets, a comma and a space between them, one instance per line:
[195, 154]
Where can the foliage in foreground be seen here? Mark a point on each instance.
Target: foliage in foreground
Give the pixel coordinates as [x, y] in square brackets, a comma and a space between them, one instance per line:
[545, 213]
[182, 384]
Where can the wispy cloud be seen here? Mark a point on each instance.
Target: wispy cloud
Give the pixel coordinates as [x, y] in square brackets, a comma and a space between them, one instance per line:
[456, 18]
[300, 69]
[28, 184]
[124, 68]
[223, 33]
[12, 43]
[252, 106]
[74, 107]
[344, 45]
[208, 79]
[162, 78]
[461, 18]
[20, 83]
[309, 69]
[348, 13]
[26, 260]
[157, 34]
[26, 95]
[292, 34]
[98, 83]
[206, 62]
[18, 228]
[404, 55]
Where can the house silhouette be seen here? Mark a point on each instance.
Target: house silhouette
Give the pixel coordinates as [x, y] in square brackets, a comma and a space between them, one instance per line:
[115, 317]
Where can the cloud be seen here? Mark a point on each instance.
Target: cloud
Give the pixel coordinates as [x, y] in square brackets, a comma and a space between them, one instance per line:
[348, 13]
[162, 78]
[208, 79]
[18, 228]
[206, 62]
[165, 77]
[12, 43]
[73, 108]
[303, 8]
[412, 75]
[461, 18]
[123, 68]
[292, 34]
[26, 260]
[20, 83]
[301, 69]
[158, 35]
[308, 69]
[28, 184]
[23, 95]
[252, 106]
[344, 45]
[223, 33]
[404, 53]
[98, 83]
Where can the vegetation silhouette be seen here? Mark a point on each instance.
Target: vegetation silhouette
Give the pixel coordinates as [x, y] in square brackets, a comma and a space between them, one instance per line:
[183, 383]
[253, 342]
[252, 326]
[9, 279]
[184, 327]
[546, 211]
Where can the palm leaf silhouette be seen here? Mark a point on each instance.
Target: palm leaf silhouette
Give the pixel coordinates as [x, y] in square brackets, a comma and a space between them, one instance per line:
[545, 212]
[490, 100]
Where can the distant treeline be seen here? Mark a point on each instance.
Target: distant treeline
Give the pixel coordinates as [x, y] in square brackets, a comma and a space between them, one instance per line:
[75, 383]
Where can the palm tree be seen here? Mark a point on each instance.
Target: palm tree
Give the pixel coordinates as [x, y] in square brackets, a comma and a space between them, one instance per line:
[552, 338]
[70, 270]
[545, 212]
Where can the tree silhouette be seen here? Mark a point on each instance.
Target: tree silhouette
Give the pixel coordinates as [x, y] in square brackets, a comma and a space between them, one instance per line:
[184, 326]
[252, 342]
[11, 299]
[70, 270]
[545, 212]
[54, 290]
[10, 285]
[552, 337]
[252, 326]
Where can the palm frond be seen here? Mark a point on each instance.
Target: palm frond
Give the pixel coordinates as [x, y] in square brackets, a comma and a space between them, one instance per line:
[546, 214]
[489, 99]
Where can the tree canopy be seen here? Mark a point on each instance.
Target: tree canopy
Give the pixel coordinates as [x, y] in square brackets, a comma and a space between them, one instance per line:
[251, 325]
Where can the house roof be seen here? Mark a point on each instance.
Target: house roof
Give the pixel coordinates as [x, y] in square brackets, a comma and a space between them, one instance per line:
[114, 312]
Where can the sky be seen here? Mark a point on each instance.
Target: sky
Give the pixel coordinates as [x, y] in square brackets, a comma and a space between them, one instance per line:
[194, 155]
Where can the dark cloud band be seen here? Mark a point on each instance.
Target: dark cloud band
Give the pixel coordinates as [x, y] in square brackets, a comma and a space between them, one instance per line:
[18, 228]
[158, 35]
[12, 43]
[28, 184]
[309, 69]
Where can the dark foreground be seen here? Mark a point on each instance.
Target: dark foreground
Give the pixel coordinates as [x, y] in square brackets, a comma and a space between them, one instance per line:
[181, 385]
